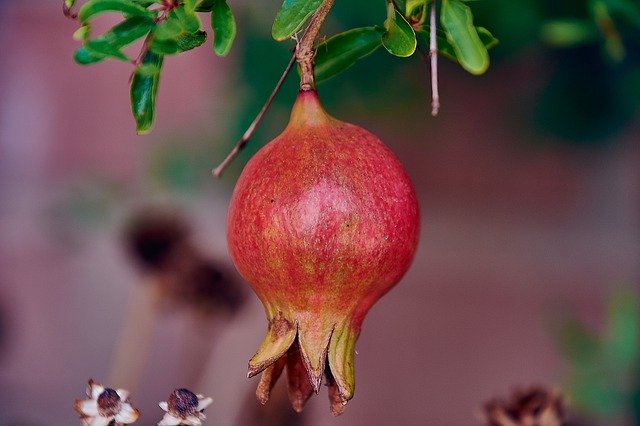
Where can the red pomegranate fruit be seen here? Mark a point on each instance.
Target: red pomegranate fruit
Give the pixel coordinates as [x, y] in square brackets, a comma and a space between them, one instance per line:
[322, 223]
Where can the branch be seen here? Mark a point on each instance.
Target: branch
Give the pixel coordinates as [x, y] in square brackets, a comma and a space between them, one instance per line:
[217, 172]
[433, 53]
[304, 49]
[304, 54]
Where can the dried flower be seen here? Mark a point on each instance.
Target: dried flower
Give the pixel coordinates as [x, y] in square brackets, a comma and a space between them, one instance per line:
[153, 234]
[535, 406]
[105, 406]
[159, 240]
[184, 408]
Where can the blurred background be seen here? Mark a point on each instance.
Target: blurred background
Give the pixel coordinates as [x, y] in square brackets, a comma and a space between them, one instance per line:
[529, 187]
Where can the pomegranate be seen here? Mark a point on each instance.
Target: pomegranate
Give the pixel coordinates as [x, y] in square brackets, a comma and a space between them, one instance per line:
[322, 223]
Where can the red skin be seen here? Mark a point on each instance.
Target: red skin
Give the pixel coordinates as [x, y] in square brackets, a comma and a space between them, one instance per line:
[323, 222]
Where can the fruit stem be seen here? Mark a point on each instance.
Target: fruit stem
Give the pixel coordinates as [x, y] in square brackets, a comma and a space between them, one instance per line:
[217, 172]
[304, 49]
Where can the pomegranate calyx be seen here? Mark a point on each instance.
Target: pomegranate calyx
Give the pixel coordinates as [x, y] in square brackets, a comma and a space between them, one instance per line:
[340, 357]
[280, 335]
[309, 350]
[299, 386]
[314, 336]
[268, 379]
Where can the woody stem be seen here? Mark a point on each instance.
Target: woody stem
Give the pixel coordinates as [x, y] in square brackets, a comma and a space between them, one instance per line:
[305, 50]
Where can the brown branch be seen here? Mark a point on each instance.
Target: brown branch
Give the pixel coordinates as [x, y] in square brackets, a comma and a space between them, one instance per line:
[304, 49]
[304, 53]
[433, 54]
[217, 172]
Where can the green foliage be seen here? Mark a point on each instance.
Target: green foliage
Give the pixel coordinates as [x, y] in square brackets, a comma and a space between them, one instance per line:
[343, 50]
[180, 32]
[599, 36]
[445, 48]
[205, 5]
[291, 16]
[569, 32]
[92, 8]
[168, 28]
[415, 7]
[604, 370]
[112, 41]
[399, 38]
[144, 88]
[224, 27]
[173, 26]
[457, 21]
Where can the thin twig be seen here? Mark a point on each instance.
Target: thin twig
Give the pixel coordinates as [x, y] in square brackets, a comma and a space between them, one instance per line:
[304, 49]
[433, 53]
[217, 172]
[304, 54]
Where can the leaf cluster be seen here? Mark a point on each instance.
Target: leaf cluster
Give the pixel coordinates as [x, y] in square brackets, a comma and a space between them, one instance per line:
[170, 27]
[166, 27]
[404, 31]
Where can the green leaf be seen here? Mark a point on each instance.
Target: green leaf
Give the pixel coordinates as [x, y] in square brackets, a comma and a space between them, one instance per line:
[126, 7]
[341, 51]
[399, 38]
[144, 88]
[445, 48]
[85, 56]
[148, 69]
[189, 5]
[171, 28]
[191, 41]
[106, 49]
[188, 18]
[121, 35]
[178, 22]
[414, 7]
[178, 33]
[457, 21]
[182, 43]
[487, 38]
[291, 16]
[146, 3]
[69, 3]
[568, 32]
[82, 33]
[224, 27]
[205, 5]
